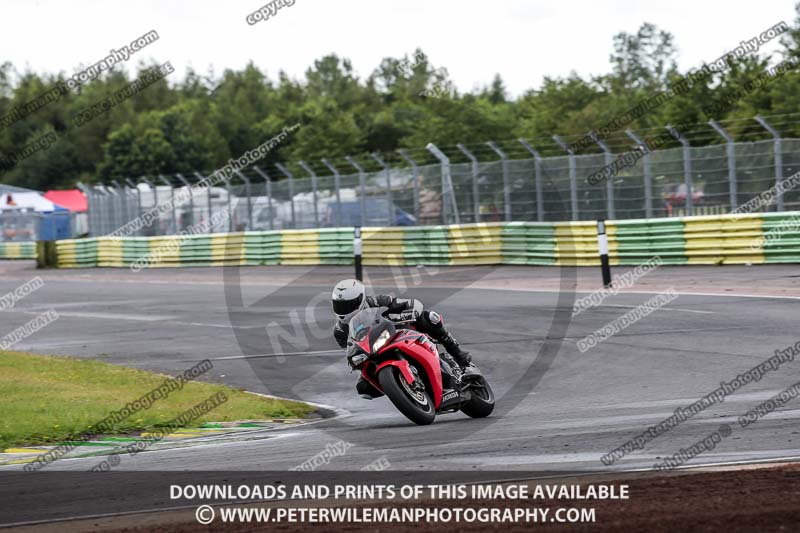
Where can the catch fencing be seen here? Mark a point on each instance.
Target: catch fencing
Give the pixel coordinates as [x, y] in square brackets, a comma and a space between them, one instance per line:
[21, 228]
[462, 186]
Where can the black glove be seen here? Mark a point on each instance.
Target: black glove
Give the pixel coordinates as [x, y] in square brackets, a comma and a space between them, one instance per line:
[340, 333]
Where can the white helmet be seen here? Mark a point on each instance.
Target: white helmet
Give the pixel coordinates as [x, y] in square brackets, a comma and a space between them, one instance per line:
[349, 296]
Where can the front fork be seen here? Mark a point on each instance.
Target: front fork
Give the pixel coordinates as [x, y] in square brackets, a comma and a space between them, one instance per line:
[402, 365]
[372, 376]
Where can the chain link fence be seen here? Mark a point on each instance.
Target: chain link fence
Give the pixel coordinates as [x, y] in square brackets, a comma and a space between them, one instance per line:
[26, 225]
[715, 179]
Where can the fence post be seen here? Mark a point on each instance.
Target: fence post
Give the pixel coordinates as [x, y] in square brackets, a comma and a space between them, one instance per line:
[537, 166]
[476, 202]
[172, 202]
[135, 187]
[362, 185]
[104, 225]
[687, 167]
[447, 183]
[208, 195]
[608, 157]
[648, 178]
[269, 194]
[89, 207]
[98, 212]
[122, 194]
[313, 176]
[246, 181]
[111, 204]
[445, 169]
[602, 248]
[357, 248]
[730, 149]
[112, 207]
[114, 210]
[97, 228]
[386, 170]
[337, 181]
[230, 212]
[415, 171]
[506, 184]
[190, 190]
[290, 177]
[157, 229]
[778, 161]
[573, 180]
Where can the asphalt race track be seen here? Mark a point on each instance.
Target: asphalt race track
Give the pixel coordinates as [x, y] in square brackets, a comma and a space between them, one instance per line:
[558, 409]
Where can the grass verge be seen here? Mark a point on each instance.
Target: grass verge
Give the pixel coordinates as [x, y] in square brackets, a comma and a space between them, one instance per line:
[46, 399]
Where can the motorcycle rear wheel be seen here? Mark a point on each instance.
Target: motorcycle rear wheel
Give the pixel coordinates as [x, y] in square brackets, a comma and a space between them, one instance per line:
[481, 403]
[415, 405]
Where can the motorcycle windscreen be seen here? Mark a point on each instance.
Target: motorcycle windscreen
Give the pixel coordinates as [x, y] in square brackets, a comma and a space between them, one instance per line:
[360, 324]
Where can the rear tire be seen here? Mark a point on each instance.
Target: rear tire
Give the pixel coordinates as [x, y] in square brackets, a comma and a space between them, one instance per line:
[481, 403]
[394, 386]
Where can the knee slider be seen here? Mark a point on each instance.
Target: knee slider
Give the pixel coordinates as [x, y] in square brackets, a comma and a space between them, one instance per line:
[432, 322]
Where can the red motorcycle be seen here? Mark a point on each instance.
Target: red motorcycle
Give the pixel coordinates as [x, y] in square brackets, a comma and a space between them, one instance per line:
[406, 366]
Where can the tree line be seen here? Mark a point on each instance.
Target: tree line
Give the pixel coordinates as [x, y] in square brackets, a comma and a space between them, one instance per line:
[200, 122]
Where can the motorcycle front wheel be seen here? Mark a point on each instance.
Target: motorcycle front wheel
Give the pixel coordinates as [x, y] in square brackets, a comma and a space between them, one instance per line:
[410, 399]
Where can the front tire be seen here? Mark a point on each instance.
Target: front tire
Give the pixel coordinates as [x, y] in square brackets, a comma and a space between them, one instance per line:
[481, 403]
[416, 405]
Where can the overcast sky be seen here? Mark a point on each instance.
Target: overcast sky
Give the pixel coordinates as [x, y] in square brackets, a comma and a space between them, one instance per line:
[522, 40]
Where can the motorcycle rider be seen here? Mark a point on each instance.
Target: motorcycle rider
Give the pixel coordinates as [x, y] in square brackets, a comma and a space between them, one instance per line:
[350, 296]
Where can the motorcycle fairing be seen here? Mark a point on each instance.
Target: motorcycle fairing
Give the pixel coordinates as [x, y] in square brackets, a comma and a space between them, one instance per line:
[417, 346]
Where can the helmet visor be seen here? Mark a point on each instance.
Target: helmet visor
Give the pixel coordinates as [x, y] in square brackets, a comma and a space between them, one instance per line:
[345, 307]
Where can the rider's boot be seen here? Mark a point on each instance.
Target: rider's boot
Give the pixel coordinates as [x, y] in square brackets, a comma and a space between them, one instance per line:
[435, 327]
[366, 390]
[454, 349]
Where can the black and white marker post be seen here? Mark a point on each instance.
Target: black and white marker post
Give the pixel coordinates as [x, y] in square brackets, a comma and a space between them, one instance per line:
[602, 246]
[357, 251]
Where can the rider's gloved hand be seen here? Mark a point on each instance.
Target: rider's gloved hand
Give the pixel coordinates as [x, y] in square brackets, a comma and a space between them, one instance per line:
[417, 308]
[404, 309]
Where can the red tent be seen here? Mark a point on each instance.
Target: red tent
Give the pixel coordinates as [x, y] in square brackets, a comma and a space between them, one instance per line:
[71, 199]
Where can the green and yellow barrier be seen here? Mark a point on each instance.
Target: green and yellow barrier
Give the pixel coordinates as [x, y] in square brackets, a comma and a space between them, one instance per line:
[17, 250]
[723, 239]
[639, 240]
[780, 239]
[528, 243]
[700, 240]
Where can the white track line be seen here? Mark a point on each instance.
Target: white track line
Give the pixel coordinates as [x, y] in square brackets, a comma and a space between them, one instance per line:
[259, 355]
[662, 309]
[678, 291]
